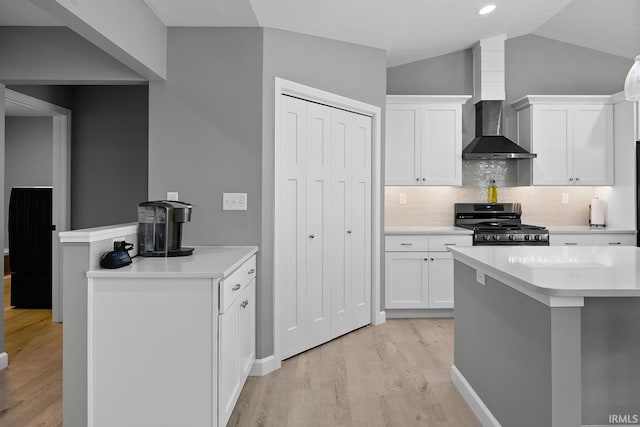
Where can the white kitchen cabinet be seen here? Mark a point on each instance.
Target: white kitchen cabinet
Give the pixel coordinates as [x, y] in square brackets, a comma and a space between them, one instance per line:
[424, 140]
[236, 349]
[170, 343]
[416, 277]
[592, 239]
[572, 136]
[323, 224]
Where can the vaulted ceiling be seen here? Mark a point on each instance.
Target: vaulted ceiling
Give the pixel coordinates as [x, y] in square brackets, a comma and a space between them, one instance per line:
[409, 30]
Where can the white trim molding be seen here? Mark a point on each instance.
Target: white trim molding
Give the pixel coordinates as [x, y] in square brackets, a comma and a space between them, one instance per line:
[469, 395]
[265, 366]
[4, 360]
[60, 194]
[88, 235]
[286, 87]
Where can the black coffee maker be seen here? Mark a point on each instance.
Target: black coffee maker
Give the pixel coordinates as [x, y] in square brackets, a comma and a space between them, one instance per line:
[160, 228]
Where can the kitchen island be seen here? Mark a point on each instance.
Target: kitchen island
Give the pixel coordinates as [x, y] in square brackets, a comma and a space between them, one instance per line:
[171, 341]
[548, 336]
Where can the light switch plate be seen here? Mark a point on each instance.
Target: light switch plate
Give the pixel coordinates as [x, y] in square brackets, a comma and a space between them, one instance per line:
[172, 195]
[565, 198]
[234, 201]
[403, 198]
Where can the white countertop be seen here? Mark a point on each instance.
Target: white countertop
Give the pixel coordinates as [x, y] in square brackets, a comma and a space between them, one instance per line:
[214, 262]
[559, 271]
[441, 230]
[585, 229]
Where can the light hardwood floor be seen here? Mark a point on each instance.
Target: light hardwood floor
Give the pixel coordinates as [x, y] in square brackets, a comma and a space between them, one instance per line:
[31, 387]
[396, 374]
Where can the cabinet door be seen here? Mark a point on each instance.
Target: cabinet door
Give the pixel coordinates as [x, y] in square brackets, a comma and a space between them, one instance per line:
[441, 149]
[551, 135]
[592, 145]
[228, 361]
[440, 280]
[406, 280]
[247, 331]
[402, 142]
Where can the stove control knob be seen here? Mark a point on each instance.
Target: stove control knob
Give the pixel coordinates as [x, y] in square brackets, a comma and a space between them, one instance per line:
[496, 237]
[527, 237]
[485, 237]
[537, 237]
[511, 237]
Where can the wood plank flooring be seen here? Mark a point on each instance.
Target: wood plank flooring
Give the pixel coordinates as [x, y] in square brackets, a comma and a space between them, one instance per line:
[31, 387]
[395, 374]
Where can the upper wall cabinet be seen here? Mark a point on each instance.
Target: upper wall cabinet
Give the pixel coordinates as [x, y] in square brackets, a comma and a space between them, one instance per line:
[572, 136]
[424, 140]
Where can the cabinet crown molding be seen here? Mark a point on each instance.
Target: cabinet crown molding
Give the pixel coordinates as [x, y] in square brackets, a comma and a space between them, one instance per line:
[527, 100]
[417, 99]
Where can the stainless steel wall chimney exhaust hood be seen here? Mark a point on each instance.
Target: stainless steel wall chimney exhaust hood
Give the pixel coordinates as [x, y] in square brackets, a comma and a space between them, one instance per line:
[489, 143]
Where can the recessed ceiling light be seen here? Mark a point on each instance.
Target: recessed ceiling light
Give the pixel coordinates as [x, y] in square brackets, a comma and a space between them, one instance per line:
[487, 9]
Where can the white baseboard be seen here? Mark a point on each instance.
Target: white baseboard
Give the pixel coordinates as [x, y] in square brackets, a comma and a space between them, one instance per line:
[381, 317]
[264, 366]
[4, 360]
[478, 407]
[426, 313]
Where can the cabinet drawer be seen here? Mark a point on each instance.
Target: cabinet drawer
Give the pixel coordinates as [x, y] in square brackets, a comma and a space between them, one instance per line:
[406, 243]
[614, 240]
[232, 286]
[570, 240]
[440, 243]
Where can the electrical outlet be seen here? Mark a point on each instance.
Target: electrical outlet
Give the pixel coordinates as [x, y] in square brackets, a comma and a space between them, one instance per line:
[565, 198]
[403, 198]
[234, 201]
[172, 195]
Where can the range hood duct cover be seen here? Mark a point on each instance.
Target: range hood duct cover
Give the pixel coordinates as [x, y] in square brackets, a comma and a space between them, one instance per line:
[489, 143]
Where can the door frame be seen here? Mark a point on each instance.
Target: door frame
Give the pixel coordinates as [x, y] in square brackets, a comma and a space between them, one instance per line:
[307, 93]
[61, 211]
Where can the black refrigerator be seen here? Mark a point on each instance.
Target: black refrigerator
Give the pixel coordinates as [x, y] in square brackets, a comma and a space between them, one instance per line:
[30, 246]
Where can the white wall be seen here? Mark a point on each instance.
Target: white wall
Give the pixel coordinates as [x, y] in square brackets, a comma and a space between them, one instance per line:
[28, 156]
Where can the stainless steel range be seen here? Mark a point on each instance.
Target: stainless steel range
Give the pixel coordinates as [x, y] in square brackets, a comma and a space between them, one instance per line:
[499, 224]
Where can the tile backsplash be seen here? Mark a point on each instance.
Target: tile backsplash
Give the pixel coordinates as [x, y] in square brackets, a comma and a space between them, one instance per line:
[433, 206]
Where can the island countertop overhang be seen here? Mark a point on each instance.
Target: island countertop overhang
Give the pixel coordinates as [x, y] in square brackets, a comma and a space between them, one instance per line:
[558, 276]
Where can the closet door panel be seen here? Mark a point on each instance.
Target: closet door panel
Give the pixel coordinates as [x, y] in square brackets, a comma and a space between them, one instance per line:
[318, 292]
[341, 129]
[359, 229]
[291, 240]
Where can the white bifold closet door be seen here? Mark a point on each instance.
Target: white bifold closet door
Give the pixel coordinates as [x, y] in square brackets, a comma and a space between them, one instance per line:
[323, 229]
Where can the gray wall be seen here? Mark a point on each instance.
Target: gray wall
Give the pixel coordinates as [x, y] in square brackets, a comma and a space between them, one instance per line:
[56, 55]
[61, 95]
[28, 156]
[108, 154]
[350, 70]
[534, 66]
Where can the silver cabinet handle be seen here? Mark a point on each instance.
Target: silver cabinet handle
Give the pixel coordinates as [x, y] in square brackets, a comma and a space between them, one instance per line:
[424, 179]
[432, 259]
[253, 270]
[236, 287]
[615, 243]
[571, 243]
[578, 179]
[417, 179]
[244, 303]
[570, 179]
[348, 231]
[450, 244]
[406, 244]
[426, 259]
[311, 236]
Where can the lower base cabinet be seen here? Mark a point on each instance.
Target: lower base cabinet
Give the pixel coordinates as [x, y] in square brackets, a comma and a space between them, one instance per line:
[236, 351]
[592, 239]
[415, 278]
